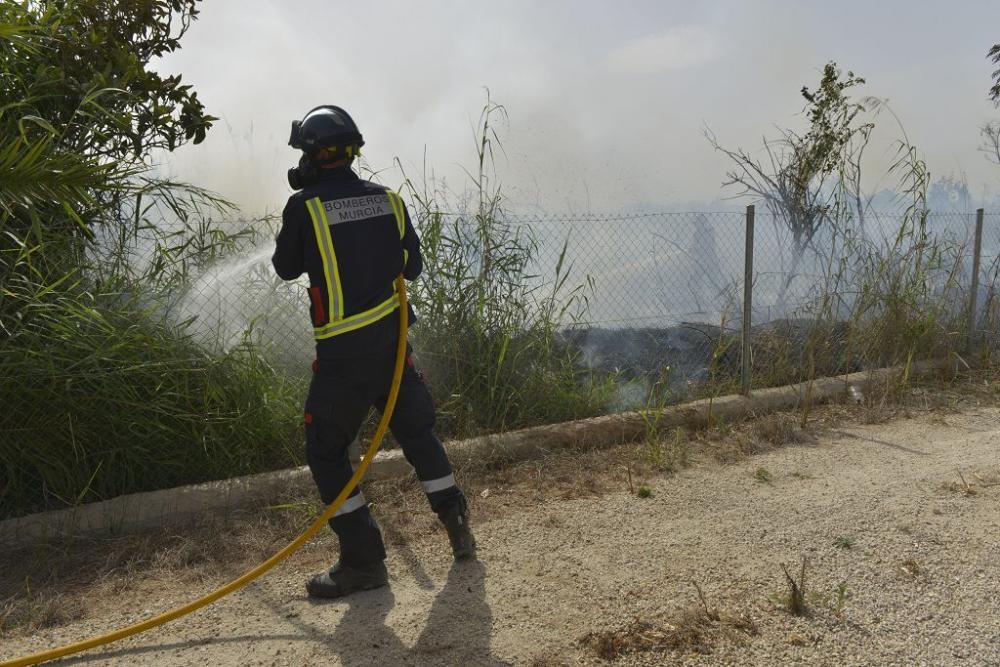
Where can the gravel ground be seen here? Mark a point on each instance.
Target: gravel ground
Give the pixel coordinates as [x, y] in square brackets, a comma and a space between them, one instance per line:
[902, 568]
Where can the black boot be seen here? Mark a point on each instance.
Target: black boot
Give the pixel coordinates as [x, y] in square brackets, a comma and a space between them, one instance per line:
[456, 521]
[341, 580]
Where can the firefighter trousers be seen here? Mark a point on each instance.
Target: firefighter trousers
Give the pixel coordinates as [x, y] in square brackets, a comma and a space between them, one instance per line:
[340, 395]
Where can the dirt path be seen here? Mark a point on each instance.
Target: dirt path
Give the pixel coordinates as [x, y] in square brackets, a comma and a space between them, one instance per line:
[903, 569]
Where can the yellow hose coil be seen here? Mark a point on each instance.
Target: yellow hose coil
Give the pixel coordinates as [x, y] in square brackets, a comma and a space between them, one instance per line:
[317, 525]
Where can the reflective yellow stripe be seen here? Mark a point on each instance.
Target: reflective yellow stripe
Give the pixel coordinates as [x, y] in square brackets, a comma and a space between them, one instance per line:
[397, 209]
[363, 319]
[338, 324]
[331, 271]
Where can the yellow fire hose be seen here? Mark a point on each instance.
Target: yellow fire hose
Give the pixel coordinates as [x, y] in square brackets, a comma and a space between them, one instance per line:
[317, 525]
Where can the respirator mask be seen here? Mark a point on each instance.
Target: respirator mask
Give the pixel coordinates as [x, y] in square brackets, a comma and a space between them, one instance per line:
[306, 173]
[303, 175]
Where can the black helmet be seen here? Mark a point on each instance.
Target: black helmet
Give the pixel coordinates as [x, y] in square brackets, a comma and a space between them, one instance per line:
[324, 126]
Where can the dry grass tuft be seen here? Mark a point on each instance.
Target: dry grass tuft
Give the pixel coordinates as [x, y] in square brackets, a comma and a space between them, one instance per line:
[691, 631]
[776, 430]
[962, 486]
[699, 419]
[37, 611]
[735, 442]
[938, 393]
[666, 452]
[910, 568]
[795, 600]
[697, 629]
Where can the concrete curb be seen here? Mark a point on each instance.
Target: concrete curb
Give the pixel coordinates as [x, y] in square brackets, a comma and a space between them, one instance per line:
[183, 505]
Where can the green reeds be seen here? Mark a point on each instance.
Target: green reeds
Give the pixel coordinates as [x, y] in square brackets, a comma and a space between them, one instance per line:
[488, 324]
[102, 397]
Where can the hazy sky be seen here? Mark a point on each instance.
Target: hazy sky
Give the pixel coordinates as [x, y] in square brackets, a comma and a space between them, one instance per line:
[607, 100]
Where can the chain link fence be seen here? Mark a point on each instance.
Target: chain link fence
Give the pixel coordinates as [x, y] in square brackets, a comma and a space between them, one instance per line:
[664, 292]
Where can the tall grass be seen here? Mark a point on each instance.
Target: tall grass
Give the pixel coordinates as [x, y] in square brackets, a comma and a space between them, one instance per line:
[109, 399]
[101, 391]
[487, 327]
[105, 394]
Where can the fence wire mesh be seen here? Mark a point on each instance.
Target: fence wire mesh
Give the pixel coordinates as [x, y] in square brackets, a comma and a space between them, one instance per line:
[663, 291]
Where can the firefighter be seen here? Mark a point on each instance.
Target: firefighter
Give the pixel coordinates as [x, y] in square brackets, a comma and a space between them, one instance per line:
[353, 237]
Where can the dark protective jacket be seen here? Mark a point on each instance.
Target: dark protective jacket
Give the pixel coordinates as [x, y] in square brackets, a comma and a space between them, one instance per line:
[352, 237]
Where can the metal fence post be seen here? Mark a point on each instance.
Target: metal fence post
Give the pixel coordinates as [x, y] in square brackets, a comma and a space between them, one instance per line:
[747, 301]
[974, 291]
